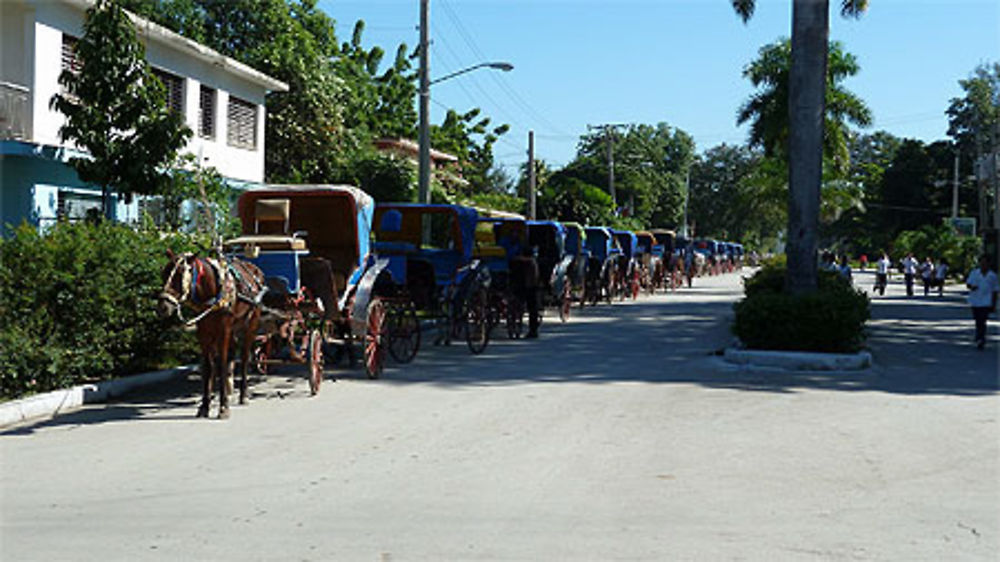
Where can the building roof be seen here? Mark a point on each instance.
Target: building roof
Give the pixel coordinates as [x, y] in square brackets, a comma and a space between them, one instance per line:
[413, 149]
[150, 31]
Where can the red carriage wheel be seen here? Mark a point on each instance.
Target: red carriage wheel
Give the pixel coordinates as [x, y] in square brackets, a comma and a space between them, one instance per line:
[374, 339]
[315, 360]
[404, 332]
[261, 353]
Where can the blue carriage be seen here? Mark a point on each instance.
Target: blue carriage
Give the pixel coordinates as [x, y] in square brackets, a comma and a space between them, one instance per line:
[554, 263]
[628, 278]
[604, 251]
[427, 252]
[313, 244]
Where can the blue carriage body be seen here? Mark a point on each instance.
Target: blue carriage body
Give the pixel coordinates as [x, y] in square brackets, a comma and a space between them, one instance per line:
[453, 229]
[628, 242]
[600, 242]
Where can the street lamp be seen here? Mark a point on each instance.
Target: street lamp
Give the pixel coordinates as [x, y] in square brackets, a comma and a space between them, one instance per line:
[424, 185]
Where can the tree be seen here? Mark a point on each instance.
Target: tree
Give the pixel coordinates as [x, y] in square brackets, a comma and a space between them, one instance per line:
[806, 102]
[767, 110]
[116, 110]
[470, 138]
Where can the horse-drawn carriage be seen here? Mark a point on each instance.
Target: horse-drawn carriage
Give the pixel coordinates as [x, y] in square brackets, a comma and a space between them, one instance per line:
[628, 277]
[554, 263]
[602, 264]
[576, 247]
[668, 271]
[503, 244]
[426, 252]
[312, 244]
[650, 257]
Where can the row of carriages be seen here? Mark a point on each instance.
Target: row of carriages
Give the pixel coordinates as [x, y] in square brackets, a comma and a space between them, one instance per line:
[349, 279]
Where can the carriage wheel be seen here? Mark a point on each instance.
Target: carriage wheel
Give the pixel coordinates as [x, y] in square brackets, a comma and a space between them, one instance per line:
[477, 322]
[404, 332]
[315, 358]
[515, 318]
[261, 353]
[566, 303]
[374, 339]
[635, 285]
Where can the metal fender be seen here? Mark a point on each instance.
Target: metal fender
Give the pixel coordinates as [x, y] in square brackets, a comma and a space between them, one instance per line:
[363, 291]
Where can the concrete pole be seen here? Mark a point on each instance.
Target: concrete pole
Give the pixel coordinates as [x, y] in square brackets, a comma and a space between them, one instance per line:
[531, 175]
[954, 189]
[609, 136]
[424, 181]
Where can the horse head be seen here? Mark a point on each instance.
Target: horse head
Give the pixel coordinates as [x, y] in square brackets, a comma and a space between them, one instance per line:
[177, 277]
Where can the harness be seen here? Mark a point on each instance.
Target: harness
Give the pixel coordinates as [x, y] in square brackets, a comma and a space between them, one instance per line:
[190, 276]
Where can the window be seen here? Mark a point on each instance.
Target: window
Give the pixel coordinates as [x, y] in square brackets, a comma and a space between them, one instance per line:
[175, 89]
[242, 120]
[206, 113]
[76, 205]
[70, 62]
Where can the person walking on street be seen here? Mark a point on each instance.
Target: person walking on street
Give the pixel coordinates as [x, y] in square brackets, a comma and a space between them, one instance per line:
[909, 272]
[845, 268]
[863, 261]
[927, 275]
[882, 267]
[940, 274]
[983, 288]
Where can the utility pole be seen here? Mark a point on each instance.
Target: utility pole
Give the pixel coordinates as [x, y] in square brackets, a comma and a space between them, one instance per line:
[687, 197]
[954, 189]
[531, 175]
[609, 137]
[424, 181]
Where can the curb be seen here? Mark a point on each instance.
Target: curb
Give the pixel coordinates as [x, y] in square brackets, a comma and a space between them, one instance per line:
[800, 360]
[61, 401]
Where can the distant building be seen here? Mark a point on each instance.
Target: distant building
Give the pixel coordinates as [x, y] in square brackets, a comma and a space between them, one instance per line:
[446, 167]
[222, 101]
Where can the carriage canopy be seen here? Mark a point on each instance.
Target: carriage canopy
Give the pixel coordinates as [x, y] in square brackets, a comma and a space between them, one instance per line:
[628, 241]
[600, 241]
[576, 238]
[453, 227]
[336, 219]
[549, 237]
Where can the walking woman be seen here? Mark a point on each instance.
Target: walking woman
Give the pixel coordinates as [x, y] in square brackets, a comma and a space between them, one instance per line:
[983, 289]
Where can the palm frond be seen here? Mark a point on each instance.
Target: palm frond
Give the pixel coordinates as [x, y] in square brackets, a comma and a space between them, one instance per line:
[853, 8]
[744, 8]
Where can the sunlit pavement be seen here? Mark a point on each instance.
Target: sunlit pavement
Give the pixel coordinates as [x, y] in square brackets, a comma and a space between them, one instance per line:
[619, 435]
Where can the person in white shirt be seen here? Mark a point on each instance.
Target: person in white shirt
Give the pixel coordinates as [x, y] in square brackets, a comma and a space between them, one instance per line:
[909, 272]
[983, 288]
[927, 275]
[882, 267]
[940, 274]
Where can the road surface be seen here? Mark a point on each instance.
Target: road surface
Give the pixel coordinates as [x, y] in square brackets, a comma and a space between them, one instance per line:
[616, 436]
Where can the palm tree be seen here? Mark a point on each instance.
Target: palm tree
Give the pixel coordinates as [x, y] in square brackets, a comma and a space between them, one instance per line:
[806, 108]
[767, 109]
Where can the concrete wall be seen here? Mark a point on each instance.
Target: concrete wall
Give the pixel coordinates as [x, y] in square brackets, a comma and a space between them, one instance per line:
[45, 25]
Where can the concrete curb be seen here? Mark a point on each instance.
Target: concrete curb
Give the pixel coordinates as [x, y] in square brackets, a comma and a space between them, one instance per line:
[800, 360]
[61, 401]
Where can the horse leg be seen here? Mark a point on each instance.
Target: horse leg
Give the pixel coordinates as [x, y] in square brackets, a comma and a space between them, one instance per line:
[206, 380]
[250, 329]
[225, 382]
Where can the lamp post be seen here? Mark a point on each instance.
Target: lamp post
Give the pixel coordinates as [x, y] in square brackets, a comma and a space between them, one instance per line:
[424, 161]
[425, 128]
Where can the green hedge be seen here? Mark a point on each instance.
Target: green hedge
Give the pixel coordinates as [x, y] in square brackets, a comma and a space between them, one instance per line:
[830, 319]
[77, 304]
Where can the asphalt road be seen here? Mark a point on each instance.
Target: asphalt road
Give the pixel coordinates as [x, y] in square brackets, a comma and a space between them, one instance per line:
[616, 436]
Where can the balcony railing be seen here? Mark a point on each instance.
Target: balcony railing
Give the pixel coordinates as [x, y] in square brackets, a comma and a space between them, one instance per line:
[14, 111]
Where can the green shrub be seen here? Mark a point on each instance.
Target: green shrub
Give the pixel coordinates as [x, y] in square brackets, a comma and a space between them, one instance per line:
[77, 304]
[938, 242]
[830, 319]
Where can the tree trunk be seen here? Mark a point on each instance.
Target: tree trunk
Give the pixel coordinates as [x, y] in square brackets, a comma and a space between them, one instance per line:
[806, 106]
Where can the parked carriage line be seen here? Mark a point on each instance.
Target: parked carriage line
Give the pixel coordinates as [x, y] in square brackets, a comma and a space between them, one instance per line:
[340, 276]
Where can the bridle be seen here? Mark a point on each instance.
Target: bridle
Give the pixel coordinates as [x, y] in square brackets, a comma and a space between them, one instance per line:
[189, 285]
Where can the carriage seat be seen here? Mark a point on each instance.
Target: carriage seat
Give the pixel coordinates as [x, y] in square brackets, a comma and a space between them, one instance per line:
[269, 242]
[486, 246]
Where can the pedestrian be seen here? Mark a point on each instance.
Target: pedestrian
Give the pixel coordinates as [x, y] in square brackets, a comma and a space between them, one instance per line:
[882, 267]
[927, 275]
[983, 288]
[909, 272]
[525, 283]
[845, 268]
[940, 274]
[864, 261]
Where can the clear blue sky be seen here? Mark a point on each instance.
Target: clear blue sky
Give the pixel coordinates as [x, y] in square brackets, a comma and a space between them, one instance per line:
[579, 63]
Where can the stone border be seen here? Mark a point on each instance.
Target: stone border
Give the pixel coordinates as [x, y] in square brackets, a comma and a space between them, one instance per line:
[61, 401]
[799, 360]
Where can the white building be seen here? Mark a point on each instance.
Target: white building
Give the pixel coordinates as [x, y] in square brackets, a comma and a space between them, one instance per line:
[222, 101]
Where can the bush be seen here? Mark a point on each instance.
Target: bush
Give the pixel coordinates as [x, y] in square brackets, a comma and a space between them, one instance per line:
[77, 304]
[938, 242]
[830, 319]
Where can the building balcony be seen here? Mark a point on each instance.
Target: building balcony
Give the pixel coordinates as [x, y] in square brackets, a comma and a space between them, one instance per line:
[15, 112]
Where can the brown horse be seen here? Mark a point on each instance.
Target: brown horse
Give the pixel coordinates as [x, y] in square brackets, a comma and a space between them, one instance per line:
[224, 298]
